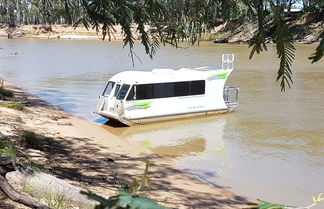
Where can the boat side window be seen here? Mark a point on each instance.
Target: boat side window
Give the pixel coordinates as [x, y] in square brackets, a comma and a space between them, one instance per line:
[163, 90]
[144, 91]
[108, 88]
[131, 95]
[181, 89]
[123, 91]
[116, 90]
[197, 87]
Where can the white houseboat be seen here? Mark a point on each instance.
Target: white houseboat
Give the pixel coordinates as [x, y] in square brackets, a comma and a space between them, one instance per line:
[139, 97]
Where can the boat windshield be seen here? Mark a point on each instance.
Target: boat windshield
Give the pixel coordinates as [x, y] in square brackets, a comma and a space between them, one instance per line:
[108, 88]
[123, 91]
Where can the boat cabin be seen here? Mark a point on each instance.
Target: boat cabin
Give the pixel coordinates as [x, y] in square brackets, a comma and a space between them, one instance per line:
[137, 97]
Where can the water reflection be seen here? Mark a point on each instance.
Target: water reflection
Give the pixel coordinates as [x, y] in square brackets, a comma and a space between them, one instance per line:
[197, 144]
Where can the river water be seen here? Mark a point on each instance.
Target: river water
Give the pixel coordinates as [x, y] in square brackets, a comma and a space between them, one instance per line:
[271, 147]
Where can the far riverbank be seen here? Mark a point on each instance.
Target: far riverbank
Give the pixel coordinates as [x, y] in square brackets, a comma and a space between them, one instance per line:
[305, 29]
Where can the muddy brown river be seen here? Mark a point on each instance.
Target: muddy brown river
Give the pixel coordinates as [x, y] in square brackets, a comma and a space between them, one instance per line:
[271, 147]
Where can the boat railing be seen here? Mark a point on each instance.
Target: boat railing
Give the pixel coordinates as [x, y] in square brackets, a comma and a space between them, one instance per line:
[228, 61]
[231, 96]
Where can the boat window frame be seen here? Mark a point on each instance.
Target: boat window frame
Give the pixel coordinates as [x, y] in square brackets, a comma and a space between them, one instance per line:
[190, 94]
[132, 87]
[126, 94]
[118, 85]
[112, 88]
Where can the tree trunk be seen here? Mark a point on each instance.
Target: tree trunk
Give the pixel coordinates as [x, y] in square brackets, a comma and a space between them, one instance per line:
[7, 164]
[18, 197]
[67, 12]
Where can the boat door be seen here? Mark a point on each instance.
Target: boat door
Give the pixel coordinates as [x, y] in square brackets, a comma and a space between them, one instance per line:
[106, 97]
[119, 107]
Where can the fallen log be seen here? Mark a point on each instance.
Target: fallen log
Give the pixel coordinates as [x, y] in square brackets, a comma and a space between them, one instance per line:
[7, 164]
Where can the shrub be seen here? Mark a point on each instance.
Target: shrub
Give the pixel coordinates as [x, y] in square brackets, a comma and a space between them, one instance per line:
[5, 94]
[7, 149]
[15, 106]
[33, 140]
[35, 166]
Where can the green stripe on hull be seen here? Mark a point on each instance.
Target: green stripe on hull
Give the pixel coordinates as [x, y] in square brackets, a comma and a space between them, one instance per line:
[222, 75]
[144, 105]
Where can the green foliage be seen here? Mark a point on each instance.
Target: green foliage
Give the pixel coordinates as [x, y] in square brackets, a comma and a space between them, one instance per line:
[318, 198]
[5, 94]
[7, 149]
[258, 40]
[27, 188]
[15, 106]
[319, 49]
[267, 205]
[123, 200]
[40, 11]
[33, 140]
[35, 166]
[285, 51]
[105, 14]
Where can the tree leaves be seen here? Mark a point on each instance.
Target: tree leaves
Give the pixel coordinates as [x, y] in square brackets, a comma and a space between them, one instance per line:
[258, 40]
[267, 205]
[286, 52]
[123, 200]
[319, 50]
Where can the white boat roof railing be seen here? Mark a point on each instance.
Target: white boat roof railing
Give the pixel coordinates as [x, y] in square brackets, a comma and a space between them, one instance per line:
[163, 75]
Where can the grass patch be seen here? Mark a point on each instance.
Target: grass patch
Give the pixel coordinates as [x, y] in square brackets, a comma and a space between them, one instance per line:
[5, 94]
[57, 201]
[15, 106]
[33, 140]
[27, 189]
[35, 166]
[7, 149]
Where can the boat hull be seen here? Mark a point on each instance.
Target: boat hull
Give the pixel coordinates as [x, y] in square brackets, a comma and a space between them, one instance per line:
[148, 120]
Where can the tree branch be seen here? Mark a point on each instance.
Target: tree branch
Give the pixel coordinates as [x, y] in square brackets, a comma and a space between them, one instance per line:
[7, 164]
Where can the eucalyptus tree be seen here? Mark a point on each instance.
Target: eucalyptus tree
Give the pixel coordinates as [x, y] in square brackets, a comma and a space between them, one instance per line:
[14, 12]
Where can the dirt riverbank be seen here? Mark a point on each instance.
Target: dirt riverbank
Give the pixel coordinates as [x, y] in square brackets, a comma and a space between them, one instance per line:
[89, 156]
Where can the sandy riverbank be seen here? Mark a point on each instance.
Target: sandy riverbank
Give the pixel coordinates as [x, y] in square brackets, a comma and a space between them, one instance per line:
[89, 156]
[58, 32]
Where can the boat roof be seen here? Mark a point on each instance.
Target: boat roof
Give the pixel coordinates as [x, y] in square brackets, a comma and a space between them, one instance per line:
[167, 75]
